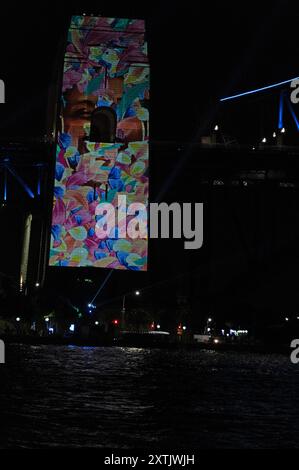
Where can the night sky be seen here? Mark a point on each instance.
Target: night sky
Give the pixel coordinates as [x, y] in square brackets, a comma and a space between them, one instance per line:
[199, 51]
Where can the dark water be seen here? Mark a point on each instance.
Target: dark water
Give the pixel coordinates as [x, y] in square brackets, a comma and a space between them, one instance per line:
[53, 396]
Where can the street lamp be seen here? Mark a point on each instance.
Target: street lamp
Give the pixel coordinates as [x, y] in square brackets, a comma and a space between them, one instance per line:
[123, 311]
[207, 327]
[47, 321]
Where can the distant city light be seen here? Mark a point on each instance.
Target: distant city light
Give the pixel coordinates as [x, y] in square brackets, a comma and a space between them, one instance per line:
[96, 323]
[283, 130]
[264, 140]
[209, 320]
[216, 128]
[51, 330]
[216, 341]
[37, 284]
[274, 134]
[158, 327]
[184, 328]
[18, 319]
[286, 319]
[72, 327]
[208, 330]
[115, 322]
[47, 319]
[137, 292]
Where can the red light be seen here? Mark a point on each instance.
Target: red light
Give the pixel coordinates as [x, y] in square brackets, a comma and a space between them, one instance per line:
[115, 322]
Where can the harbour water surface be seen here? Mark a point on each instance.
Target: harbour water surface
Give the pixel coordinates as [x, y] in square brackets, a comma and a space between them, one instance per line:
[127, 398]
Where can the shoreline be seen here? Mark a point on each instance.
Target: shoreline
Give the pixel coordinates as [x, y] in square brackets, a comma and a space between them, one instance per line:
[83, 342]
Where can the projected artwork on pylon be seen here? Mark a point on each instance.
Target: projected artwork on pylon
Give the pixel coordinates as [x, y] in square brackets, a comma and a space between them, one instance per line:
[102, 148]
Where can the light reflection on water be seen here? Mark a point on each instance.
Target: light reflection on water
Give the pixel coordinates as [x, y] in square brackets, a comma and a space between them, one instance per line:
[54, 396]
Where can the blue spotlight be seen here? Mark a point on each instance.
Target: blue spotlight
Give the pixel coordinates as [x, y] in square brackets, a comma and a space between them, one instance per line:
[38, 186]
[22, 182]
[102, 285]
[5, 185]
[293, 114]
[280, 115]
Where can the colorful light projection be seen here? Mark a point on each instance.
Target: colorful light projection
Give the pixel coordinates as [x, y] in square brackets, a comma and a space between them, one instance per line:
[102, 148]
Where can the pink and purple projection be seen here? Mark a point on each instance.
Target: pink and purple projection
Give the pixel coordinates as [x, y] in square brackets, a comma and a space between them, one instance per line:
[102, 148]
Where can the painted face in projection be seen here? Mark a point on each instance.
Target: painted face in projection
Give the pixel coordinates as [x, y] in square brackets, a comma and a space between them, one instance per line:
[105, 83]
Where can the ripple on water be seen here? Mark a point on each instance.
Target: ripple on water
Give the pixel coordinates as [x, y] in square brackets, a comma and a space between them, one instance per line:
[54, 396]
